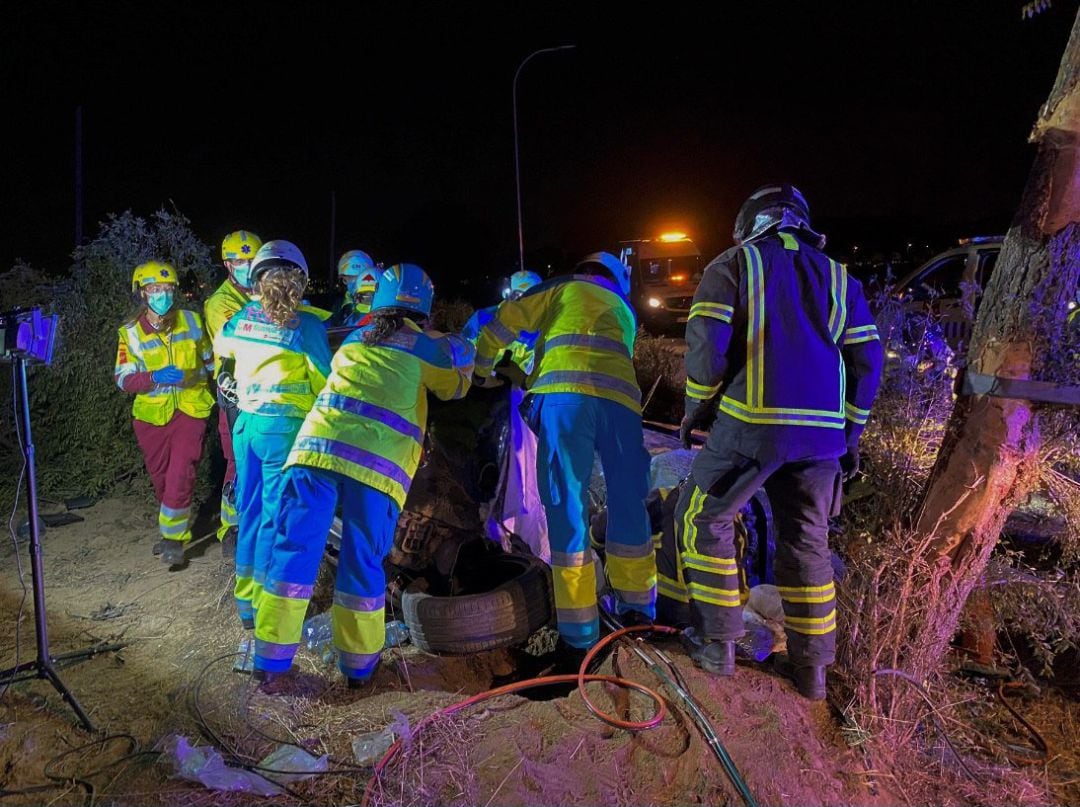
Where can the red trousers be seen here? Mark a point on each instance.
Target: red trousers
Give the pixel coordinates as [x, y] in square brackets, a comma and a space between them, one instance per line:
[226, 446]
[172, 453]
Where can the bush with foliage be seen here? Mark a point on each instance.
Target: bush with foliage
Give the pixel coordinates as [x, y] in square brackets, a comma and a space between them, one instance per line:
[82, 423]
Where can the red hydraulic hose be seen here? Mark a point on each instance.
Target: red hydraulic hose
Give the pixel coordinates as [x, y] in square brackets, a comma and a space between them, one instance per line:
[581, 678]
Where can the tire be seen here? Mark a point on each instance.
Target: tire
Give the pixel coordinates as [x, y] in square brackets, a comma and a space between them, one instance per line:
[506, 615]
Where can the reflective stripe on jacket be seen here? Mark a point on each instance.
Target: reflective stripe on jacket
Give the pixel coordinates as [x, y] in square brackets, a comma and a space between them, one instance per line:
[220, 307]
[279, 371]
[585, 338]
[185, 345]
[784, 337]
[369, 420]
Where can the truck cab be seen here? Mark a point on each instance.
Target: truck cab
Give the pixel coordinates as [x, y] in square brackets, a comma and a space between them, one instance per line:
[665, 274]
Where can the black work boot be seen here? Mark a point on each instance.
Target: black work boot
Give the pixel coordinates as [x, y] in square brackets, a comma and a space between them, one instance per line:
[172, 554]
[714, 657]
[228, 544]
[159, 547]
[809, 679]
[568, 658]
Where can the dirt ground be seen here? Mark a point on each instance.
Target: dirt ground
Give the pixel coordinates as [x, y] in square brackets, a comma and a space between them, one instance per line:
[174, 677]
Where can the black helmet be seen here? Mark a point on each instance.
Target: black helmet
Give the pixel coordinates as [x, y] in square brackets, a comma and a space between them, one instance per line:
[771, 206]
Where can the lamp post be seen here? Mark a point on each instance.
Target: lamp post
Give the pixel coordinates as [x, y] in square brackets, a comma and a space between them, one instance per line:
[517, 159]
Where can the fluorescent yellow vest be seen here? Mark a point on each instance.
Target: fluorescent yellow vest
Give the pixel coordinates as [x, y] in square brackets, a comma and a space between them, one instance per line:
[368, 422]
[185, 346]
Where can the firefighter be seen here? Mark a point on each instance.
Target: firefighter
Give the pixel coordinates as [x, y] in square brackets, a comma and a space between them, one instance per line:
[237, 251]
[275, 359]
[164, 358]
[358, 274]
[583, 398]
[359, 445]
[783, 362]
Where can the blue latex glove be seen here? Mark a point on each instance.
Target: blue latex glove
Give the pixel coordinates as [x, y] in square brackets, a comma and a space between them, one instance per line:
[167, 375]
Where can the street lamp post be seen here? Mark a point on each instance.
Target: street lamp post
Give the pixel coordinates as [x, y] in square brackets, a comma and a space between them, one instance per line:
[517, 160]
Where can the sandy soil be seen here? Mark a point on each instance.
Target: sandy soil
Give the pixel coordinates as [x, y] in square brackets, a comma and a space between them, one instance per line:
[104, 585]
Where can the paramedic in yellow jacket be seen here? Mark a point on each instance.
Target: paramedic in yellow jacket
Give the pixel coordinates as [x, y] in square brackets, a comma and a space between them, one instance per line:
[164, 359]
[276, 358]
[237, 251]
[584, 398]
[359, 445]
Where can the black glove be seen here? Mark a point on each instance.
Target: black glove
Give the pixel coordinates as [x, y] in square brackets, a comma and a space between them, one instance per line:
[486, 382]
[701, 419]
[849, 464]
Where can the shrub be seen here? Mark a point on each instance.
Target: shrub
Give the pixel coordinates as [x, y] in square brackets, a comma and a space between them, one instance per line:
[82, 423]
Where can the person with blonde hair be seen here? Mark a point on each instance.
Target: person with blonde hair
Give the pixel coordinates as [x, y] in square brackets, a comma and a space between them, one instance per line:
[275, 360]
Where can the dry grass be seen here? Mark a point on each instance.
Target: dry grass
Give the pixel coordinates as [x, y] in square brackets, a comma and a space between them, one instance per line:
[929, 737]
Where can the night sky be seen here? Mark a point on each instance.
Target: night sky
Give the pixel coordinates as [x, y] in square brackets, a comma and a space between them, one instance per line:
[894, 118]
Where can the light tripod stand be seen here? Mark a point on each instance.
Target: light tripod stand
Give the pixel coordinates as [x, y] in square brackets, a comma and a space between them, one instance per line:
[44, 666]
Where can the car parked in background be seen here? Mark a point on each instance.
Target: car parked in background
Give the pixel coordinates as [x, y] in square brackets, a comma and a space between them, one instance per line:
[946, 290]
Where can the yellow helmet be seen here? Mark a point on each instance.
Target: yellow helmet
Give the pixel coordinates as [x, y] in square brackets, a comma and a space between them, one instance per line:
[240, 246]
[153, 272]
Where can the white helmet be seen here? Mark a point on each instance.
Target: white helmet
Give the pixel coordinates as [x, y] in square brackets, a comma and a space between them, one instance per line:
[277, 253]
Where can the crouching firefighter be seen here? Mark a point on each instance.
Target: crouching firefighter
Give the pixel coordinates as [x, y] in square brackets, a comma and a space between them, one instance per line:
[237, 251]
[275, 360]
[164, 358]
[784, 362]
[360, 445]
[583, 399]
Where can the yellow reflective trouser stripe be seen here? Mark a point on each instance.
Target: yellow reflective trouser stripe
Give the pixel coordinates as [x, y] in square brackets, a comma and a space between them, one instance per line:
[671, 588]
[812, 625]
[808, 594]
[173, 523]
[228, 515]
[361, 632]
[575, 586]
[704, 563]
[657, 540]
[697, 504]
[280, 619]
[855, 414]
[244, 589]
[632, 574]
[700, 392]
[714, 596]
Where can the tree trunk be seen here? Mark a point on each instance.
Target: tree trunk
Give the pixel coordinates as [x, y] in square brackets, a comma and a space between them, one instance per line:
[985, 466]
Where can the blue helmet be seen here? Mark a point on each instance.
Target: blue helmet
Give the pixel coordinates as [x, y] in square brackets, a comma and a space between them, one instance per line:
[404, 285]
[618, 270]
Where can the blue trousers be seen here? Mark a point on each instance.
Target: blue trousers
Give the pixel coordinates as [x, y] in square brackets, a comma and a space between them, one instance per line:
[369, 518]
[572, 429]
[261, 445]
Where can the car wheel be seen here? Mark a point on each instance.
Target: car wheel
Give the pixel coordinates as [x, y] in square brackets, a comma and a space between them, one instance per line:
[518, 603]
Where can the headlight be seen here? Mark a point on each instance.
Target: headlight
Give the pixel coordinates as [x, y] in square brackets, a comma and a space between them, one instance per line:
[654, 302]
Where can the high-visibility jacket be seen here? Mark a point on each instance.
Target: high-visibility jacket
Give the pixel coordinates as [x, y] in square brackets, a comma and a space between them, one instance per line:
[142, 350]
[780, 337]
[368, 422]
[585, 333]
[278, 371]
[222, 305]
[521, 351]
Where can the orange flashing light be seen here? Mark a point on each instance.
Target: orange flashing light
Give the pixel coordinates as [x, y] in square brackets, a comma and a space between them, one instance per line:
[670, 237]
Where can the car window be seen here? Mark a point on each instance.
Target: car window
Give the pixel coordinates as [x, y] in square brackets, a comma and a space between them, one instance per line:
[940, 279]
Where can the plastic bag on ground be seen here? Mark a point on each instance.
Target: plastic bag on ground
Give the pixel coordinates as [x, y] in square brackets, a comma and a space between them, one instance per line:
[203, 764]
[290, 763]
[369, 748]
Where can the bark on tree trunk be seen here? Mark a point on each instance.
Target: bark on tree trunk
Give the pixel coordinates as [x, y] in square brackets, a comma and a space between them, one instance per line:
[985, 465]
